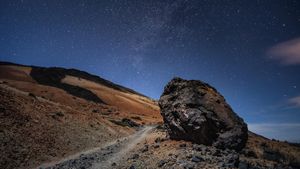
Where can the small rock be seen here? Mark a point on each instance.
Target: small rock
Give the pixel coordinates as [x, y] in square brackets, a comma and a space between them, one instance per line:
[158, 140]
[249, 153]
[188, 166]
[157, 145]
[182, 145]
[196, 159]
[60, 114]
[180, 162]
[135, 156]
[161, 163]
[217, 152]
[197, 147]
[132, 167]
[145, 148]
[221, 164]
[31, 95]
[189, 156]
[113, 164]
[272, 155]
[232, 160]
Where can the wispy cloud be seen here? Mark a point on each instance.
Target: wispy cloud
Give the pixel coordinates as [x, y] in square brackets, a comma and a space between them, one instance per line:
[288, 53]
[280, 131]
[294, 102]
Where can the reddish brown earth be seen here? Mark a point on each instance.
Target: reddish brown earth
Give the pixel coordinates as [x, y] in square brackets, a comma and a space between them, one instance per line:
[42, 124]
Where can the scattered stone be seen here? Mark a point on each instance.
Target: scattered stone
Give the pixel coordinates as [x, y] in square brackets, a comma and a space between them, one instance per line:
[157, 140]
[194, 111]
[197, 147]
[161, 163]
[216, 152]
[113, 164]
[249, 153]
[57, 115]
[197, 159]
[132, 167]
[182, 145]
[188, 166]
[31, 95]
[156, 145]
[145, 148]
[272, 155]
[189, 156]
[232, 160]
[60, 114]
[135, 156]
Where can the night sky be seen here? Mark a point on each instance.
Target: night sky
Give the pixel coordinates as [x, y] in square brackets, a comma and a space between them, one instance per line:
[248, 50]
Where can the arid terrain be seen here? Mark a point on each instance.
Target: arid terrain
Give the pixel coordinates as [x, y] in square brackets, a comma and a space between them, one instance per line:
[41, 123]
[66, 118]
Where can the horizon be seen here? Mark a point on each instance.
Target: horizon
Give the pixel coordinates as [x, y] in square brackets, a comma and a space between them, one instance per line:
[250, 51]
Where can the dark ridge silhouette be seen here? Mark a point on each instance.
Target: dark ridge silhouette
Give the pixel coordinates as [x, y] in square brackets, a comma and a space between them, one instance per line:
[84, 75]
[53, 77]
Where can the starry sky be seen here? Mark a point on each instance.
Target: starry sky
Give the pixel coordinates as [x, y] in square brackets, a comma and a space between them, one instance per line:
[248, 50]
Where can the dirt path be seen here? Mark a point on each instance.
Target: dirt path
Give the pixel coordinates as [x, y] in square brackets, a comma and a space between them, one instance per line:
[102, 158]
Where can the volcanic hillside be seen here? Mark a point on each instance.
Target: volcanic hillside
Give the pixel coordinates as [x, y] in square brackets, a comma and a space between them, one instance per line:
[50, 113]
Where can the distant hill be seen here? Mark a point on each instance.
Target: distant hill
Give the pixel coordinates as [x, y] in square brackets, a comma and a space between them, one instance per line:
[79, 84]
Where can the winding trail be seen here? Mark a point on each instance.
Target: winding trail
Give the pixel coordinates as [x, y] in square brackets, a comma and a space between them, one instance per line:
[101, 158]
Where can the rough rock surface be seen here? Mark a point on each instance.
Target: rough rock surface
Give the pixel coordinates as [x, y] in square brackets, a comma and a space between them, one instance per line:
[194, 111]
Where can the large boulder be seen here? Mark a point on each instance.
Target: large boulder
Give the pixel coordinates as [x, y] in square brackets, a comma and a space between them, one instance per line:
[194, 111]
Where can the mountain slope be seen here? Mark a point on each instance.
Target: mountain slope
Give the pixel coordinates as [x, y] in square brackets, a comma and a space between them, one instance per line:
[79, 84]
[50, 113]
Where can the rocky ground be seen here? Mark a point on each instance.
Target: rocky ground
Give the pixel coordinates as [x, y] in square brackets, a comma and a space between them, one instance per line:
[42, 121]
[46, 126]
[152, 148]
[158, 151]
[33, 129]
[105, 157]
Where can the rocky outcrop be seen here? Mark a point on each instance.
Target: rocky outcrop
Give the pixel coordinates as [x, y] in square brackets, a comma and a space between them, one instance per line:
[194, 111]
